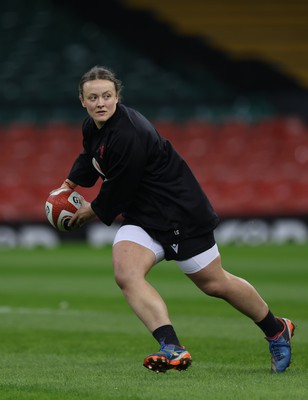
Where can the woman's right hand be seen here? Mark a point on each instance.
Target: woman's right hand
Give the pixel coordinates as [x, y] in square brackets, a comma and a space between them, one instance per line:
[67, 184]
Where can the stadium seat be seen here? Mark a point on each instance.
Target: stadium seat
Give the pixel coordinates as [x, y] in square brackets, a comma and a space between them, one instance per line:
[246, 169]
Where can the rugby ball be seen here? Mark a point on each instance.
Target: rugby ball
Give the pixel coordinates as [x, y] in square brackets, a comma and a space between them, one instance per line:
[60, 206]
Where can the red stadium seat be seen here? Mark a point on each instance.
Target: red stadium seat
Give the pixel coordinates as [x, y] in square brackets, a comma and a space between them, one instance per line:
[246, 169]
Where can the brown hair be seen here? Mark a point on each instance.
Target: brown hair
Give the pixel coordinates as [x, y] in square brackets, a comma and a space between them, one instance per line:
[99, 72]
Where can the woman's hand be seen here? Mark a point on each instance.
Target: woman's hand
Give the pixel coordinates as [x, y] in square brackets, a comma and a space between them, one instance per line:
[67, 184]
[83, 215]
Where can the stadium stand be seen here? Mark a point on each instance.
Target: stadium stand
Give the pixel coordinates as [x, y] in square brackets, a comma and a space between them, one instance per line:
[241, 125]
[48, 45]
[256, 47]
[247, 169]
[276, 31]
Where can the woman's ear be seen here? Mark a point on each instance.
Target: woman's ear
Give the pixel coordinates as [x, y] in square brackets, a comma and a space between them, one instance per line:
[81, 100]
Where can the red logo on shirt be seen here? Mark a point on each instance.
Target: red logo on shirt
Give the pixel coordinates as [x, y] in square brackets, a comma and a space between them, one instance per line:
[101, 151]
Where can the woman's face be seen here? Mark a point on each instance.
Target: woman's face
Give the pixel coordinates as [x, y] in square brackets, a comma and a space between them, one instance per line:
[100, 99]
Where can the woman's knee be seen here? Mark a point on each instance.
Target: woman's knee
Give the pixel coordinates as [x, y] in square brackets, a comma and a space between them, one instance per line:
[214, 289]
[121, 277]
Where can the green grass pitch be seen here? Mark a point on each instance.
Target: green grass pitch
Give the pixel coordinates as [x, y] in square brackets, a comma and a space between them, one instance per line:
[66, 332]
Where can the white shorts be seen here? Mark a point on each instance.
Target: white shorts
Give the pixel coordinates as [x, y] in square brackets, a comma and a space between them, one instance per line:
[137, 235]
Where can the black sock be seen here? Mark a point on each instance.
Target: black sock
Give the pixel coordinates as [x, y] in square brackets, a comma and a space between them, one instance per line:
[270, 325]
[166, 334]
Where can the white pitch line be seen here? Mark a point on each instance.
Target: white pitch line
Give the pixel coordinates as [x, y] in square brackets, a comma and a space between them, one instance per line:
[45, 311]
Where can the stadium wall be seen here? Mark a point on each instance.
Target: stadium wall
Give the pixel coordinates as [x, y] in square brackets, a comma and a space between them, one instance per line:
[247, 231]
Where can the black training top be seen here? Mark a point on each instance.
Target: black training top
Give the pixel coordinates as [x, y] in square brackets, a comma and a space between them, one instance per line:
[144, 178]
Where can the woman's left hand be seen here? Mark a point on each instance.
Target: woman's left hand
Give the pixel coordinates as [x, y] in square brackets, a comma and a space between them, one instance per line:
[83, 215]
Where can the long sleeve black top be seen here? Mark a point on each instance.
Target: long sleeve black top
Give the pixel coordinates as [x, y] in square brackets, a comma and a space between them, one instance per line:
[144, 177]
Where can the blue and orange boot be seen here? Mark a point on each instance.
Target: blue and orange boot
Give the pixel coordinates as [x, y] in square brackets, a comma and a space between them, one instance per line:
[280, 348]
[168, 357]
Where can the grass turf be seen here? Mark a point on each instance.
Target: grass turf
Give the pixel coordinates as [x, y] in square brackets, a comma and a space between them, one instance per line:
[67, 333]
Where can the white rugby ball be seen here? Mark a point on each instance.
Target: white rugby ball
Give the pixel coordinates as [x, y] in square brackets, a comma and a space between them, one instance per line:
[60, 206]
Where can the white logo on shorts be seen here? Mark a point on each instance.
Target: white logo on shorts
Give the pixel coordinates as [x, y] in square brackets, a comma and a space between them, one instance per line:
[175, 247]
